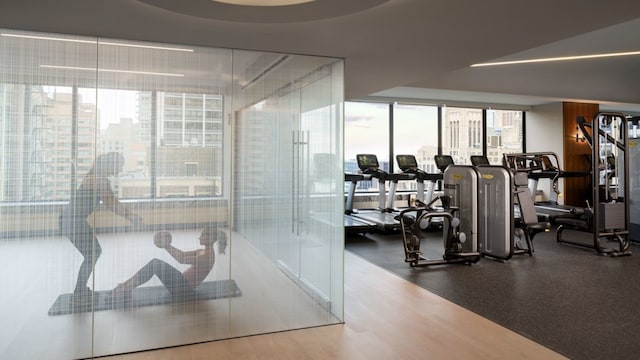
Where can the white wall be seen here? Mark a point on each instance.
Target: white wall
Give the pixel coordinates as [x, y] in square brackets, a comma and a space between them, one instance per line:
[544, 128]
[545, 134]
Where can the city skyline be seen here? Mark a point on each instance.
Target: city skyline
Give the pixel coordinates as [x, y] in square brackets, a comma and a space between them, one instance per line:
[48, 163]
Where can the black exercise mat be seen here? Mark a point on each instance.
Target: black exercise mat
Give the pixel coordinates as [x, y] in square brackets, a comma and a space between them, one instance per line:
[144, 296]
[566, 298]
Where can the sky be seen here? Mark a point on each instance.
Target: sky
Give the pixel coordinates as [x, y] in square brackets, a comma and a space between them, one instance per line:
[112, 104]
[366, 129]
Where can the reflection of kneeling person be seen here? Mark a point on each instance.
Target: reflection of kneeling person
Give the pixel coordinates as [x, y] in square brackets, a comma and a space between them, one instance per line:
[177, 283]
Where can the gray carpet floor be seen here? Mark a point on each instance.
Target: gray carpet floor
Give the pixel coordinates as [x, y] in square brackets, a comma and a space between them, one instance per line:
[566, 298]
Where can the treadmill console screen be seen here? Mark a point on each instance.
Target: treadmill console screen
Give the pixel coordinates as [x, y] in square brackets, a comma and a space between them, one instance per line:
[406, 162]
[442, 161]
[367, 161]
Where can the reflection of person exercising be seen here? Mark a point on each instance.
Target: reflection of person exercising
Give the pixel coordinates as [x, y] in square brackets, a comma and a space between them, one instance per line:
[94, 189]
[177, 283]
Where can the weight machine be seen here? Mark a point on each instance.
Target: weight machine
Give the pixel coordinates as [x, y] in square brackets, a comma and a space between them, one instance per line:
[608, 217]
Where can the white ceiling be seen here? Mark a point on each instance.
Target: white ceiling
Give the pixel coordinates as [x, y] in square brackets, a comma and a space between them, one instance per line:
[408, 49]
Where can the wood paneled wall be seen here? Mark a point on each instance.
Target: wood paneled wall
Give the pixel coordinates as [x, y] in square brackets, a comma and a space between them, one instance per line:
[577, 154]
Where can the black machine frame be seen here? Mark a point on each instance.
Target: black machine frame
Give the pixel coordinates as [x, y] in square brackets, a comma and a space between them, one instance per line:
[410, 220]
[608, 218]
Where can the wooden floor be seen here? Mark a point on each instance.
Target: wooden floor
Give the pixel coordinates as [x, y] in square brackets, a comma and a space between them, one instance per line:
[385, 318]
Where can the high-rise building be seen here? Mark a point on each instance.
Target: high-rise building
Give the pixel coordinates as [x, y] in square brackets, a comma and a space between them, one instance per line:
[184, 119]
[40, 166]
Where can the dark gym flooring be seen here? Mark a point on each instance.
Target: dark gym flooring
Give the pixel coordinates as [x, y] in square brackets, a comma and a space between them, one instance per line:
[566, 298]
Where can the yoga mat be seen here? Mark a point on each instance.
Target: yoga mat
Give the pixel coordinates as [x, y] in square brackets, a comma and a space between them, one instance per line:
[143, 296]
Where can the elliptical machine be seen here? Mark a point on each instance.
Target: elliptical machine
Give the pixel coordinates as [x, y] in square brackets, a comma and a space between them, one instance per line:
[453, 238]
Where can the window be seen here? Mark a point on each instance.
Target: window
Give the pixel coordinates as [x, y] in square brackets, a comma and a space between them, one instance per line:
[462, 133]
[366, 131]
[191, 169]
[415, 132]
[32, 145]
[504, 134]
[43, 164]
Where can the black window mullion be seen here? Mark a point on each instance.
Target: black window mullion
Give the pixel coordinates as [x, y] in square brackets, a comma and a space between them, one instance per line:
[524, 131]
[440, 127]
[484, 132]
[154, 144]
[391, 163]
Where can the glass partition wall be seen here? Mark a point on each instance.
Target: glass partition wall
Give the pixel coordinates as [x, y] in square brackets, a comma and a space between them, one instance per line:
[155, 195]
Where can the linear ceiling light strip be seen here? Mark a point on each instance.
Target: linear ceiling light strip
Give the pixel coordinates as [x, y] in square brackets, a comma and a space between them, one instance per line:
[50, 38]
[561, 58]
[110, 70]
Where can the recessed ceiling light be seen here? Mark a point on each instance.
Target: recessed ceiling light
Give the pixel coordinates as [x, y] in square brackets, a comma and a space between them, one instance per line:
[263, 2]
[265, 11]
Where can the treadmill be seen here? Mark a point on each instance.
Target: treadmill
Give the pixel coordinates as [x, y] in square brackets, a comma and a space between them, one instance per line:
[544, 165]
[408, 164]
[352, 224]
[384, 216]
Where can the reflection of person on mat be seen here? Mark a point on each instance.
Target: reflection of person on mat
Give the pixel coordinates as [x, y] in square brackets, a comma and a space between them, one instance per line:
[201, 262]
[94, 189]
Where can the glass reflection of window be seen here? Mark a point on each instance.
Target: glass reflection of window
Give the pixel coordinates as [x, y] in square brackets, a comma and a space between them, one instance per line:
[43, 164]
[35, 166]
